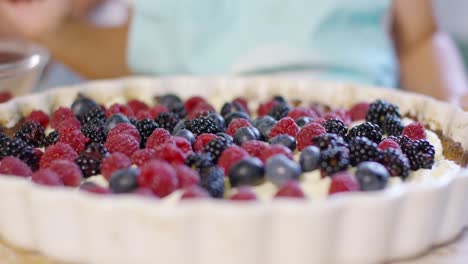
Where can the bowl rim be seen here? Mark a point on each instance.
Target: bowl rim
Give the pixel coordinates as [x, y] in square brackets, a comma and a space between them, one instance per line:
[35, 56]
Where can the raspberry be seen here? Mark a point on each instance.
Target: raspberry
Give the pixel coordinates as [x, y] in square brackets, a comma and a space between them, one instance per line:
[379, 109]
[116, 161]
[290, 189]
[5, 97]
[396, 163]
[159, 176]
[55, 152]
[14, 166]
[368, 130]
[362, 149]
[68, 172]
[335, 126]
[254, 147]
[167, 121]
[69, 123]
[392, 125]
[265, 108]
[120, 109]
[159, 137]
[93, 188]
[272, 150]
[186, 176]
[192, 102]
[201, 109]
[142, 156]
[39, 117]
[284, 126]
[236, 124]
[74, 138]
[184, 145]
[230, 157]
[156, 110]
[170, 153]
[339, 114]
[32, 133]
[388, 143]
[47, 177]
[201, 141]
[299, 112]
[137, 105]
[123, 143]
[343, 182]
[59, 115]
[415, 131]
[358, 111]
[195, 192]
[124, 128]
[307, 132]
[334, 160]
[143, 114]
[244, 194]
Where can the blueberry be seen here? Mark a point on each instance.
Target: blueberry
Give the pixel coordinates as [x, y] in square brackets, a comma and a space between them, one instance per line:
[212, 180]
[248, 171]
[124, 181]
[113, 121]
[234, 115]
[279, 169]
[264, 125]
[244, 134]
[225, 136]
[372, 176]
[187, 134]
[302, 121]
[82, 106]
[232, 107]
[310, 158]
[218, 121]
[168, 99]
[285, 140]
[180, 125]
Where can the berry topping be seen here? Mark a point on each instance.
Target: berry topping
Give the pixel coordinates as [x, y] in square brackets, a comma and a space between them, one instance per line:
[187, 134]
[302, 121]
[123, 143]
[186, 176]
[146, 127]
[243, 194]
[114, 162]
[202, 140]
[343, 182]
[60, 115]
[212, 180]
[156, 110]
[339, 114]
[290, 189]
[113, 121]
[285, 140]
[265, 108]
[420, 154]
[137, 105]
[159, 137]
[358, 111]
[285, 126]
[334, 160]
[199, 161]
[245, 134]
[90, 159]
[159, 176]
[396, 163]
[47, 177]
[95, 115]
[273, 150]
[388, 143]
[32, 133]
[280, 110]
[82, 105]
[362, 149]
[326, 141]
[279, 169]
[230, 157]
[335, 126]
[392, 125]
[124, 128]
[192, 102]
[120, 109]
[170, 153]
[202, 125]
[194, 192]
[255, 148]
[248, 171]
[68, 171]
[51, 138]
[142, 156]
[216, 147]
[94, 131]
[379, 109]
[39, 117]
[310, 158]
[74, 138]
[299, 112]
[167, 120]
[14, 166]
[59, 151]
[69, 123]
[371, 176]
[415, 131]
[124, 181]
[307, 133]
[237, 124]
[368, 130]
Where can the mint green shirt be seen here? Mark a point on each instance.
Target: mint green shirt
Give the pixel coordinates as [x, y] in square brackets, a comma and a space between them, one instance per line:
[330, 39]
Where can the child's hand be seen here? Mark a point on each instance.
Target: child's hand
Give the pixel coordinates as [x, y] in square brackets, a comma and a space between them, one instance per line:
[31, 18]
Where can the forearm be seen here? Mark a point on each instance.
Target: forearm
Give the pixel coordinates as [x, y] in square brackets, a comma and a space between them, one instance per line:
[91, 51]
[434, 67]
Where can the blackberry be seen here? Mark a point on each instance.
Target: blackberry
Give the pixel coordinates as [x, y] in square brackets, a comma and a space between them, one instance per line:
[146, 127]
[334, 160]
[199, 161]
[280, 110]
[362, 149]
[32, 133]
[82, 105]
[90, 159]
[392, 125]
[201, 125]
[212, 180]
[379, 109]
[94, 115]
[396, 163]
[133, 121]
[167, 120]
[16, 147]
[51, 138]
[368, 130]
[420, 154]
[216, 147]
[335, 126]
[328, 140]
[94, 131]
[280, 99]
